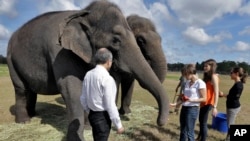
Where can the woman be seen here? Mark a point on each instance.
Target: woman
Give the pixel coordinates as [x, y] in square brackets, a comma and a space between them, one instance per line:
[233, 97]
[212, 83]
[194, 93]
[180, 85]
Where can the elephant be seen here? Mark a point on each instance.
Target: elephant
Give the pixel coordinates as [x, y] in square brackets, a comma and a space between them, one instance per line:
[51, 54]
[149, 42]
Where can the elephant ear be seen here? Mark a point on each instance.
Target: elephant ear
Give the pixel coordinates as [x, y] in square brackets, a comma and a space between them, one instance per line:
[74, 35]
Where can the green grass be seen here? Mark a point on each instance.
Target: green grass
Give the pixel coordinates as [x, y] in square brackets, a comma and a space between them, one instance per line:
[140, 125]
[4, 71]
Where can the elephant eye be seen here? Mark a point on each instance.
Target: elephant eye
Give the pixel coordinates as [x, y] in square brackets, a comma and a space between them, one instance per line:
[140, 41]
[116, 41]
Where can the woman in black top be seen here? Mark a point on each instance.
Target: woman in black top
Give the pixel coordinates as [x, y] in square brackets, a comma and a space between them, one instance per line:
[233, 97]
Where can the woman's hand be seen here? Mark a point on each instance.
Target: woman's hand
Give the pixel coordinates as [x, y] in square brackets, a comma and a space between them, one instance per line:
[214, 112]
[172, 104]
[221, 94]
[184, 98]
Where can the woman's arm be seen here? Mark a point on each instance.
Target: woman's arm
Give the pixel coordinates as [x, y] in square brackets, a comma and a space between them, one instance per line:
[215, 82]
[177, 87]
[221, 94]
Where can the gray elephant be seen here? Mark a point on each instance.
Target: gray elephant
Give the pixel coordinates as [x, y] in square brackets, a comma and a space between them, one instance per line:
[52, 53]
[149, 42]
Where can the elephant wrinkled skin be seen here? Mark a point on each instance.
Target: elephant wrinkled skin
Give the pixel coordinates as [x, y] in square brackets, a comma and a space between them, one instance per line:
[52, 53]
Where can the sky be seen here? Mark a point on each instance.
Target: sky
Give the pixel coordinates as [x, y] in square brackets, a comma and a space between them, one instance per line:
[191, 30]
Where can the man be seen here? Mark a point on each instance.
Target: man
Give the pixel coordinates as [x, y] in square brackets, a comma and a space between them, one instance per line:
[98, 97]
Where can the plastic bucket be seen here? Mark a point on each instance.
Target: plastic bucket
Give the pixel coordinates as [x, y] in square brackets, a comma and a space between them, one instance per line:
[220, 122]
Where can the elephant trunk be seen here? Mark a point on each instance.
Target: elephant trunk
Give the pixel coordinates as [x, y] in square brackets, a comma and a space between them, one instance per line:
[159, 66]
[157, 60]
[148, 80]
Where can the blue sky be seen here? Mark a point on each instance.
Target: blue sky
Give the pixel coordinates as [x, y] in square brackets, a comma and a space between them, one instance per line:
[191, 30]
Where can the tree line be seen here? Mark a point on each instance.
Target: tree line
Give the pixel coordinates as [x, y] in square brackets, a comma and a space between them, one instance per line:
[223, 67]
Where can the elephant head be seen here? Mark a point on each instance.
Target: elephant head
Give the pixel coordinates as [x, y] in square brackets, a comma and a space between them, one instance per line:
[102, 24]
[149, 42]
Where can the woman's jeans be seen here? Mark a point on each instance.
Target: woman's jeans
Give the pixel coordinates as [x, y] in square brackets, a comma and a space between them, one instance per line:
[188, 118]
[203, 117]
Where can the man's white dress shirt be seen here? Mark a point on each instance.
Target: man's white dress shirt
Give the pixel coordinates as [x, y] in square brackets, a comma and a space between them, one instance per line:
[99, 93]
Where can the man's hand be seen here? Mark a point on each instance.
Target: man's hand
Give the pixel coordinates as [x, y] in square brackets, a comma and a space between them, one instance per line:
[120, 130]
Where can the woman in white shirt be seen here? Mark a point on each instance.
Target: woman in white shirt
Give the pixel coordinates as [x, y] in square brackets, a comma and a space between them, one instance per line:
[194, 94]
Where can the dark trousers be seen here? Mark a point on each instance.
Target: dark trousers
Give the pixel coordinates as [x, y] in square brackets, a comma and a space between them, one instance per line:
[101, 125]
[203, 117]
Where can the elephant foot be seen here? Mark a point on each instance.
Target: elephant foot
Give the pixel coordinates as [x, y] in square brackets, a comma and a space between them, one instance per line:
[22, 120]
[87, 127]
[124, 118]
[21, 116]
[124, 111]
[121, 112]
[72, 134]
[32, 113]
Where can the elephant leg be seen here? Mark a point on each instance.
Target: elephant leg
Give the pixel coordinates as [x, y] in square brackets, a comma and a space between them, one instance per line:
[31, 103]
[21, 113]
[71, 90]
[127, 86]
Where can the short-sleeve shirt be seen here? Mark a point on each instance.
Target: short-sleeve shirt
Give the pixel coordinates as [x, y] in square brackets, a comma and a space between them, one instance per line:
[192, 92]
[233, 97]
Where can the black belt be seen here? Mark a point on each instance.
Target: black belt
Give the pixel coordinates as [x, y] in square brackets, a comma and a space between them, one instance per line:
[91, 111]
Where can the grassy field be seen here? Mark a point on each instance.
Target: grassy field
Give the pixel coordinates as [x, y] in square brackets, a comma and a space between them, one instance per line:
[51, 122]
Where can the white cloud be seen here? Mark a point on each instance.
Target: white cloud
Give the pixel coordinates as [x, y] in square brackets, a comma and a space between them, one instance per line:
[245, 31]
[157, 12]
[133, 7]
[245, 9]
[241, 46]
[200, 37]
[56, 5]
[160, 16]
[4, 33]
[7, 7]
[199, 13]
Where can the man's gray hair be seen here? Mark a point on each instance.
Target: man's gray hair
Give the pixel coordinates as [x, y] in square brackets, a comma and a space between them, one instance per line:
[103, 55]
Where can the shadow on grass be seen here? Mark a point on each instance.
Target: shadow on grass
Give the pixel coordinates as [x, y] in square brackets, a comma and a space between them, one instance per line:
[148, 133]
[51, 114]
[54, 115]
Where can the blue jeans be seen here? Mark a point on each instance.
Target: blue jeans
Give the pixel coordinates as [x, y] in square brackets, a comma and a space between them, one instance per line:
[203, 117]
[188, 117]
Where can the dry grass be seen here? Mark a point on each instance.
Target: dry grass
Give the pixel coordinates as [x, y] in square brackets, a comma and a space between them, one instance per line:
[51, 123]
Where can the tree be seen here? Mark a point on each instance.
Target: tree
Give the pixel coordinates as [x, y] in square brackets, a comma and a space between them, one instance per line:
[3, 60]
